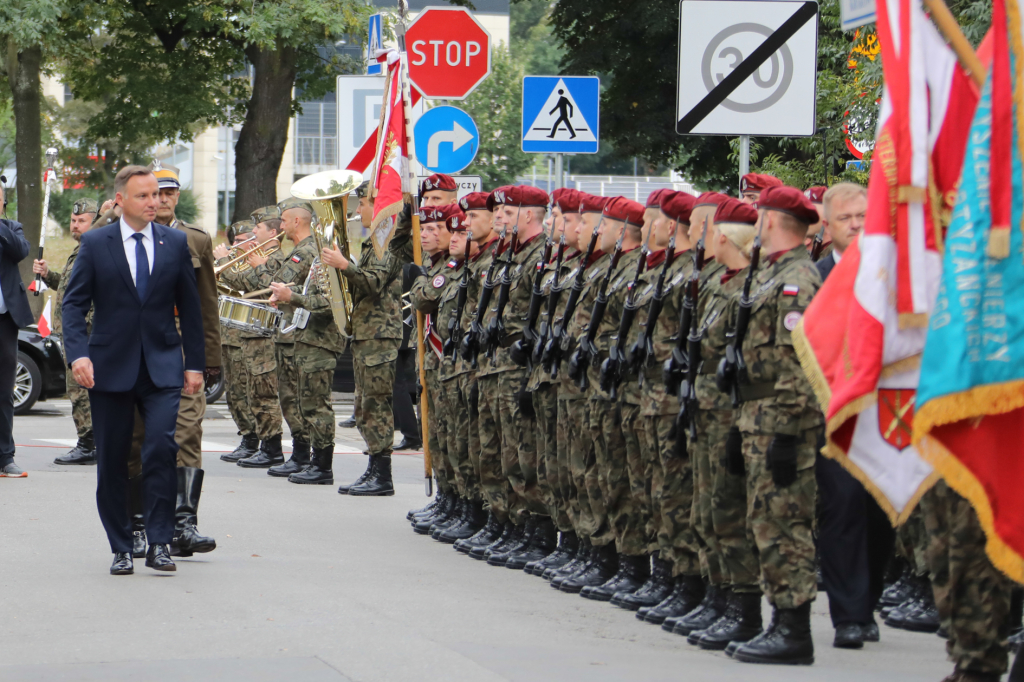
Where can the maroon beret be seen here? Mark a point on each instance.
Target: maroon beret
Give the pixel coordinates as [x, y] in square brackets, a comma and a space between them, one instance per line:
[526, 196]
[497, 197]
[568, 200]
[456, 222]
[655, 198]
[678, 206]
[756, 182]
[735, 211]
[474, 201]
[591, 203]
[816, 194]
[788, 200]
[438, 181]
[711, 199]
[626, 210]
[439, 214]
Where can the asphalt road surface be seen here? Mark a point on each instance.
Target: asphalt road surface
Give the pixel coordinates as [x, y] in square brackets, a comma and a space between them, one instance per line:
[307, 585]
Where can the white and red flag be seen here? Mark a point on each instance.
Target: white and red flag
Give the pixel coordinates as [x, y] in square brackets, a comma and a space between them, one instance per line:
[861, 340]
[389, 176]
[45, 323]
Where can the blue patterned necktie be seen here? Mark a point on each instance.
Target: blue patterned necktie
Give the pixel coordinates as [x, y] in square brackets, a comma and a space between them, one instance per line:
[141, 266]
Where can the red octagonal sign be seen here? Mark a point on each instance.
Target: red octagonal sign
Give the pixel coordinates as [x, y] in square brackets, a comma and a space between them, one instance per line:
[449, 52]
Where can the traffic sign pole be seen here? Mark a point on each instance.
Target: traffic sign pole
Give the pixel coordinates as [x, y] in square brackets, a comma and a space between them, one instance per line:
[744, 155]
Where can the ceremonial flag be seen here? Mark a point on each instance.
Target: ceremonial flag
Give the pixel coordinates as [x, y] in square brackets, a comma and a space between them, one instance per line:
[970, 421]
[861, 338]
[389, 177]
[45, 318]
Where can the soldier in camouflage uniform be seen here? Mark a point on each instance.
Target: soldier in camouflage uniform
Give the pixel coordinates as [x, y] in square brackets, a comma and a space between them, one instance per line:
[720, 501]
[376, 288]
[779, 424]
[267, 378]
[318, 343]
[428, 286]
[973, 597]
[82, 215]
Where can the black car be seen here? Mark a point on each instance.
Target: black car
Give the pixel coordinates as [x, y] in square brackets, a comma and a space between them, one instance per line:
[40, 374]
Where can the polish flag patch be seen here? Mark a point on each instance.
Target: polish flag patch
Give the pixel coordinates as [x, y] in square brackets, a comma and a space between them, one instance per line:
[790, 290]
[296, 259]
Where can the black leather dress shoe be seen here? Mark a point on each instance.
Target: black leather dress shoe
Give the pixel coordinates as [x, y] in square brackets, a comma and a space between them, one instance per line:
[870, 632]
[159, 558]
[408, 444]
[849, 636]
[122, 564]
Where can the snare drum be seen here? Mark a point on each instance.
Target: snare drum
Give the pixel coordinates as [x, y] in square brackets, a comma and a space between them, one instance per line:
[249, 317]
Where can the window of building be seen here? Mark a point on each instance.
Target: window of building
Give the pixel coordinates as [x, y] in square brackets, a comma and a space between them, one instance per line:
[316, 132]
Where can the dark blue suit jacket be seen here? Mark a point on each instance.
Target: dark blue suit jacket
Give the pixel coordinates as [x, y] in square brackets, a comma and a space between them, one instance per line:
[825, 266]
[125, 328]
[13, 249]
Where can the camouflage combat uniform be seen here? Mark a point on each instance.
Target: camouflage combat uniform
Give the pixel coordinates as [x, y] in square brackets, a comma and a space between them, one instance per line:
[506, 434]
[719, 515]
[424, 295]
[912, 543]
[972, 596]
[608, 428]
[79, 397]
[236, 380]
[779, 400]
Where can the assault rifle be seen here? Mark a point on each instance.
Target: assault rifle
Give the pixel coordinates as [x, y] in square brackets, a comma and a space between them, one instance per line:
[451, 344]
[554, 294]
[496, 329]
[819, 243]
[643, 350]
[521, 351]
[732, 369]
[676, 365]
[470, 346]
[560, 341]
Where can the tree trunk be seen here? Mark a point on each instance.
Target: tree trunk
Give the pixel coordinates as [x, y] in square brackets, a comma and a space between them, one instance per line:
[261, 142]
[26, 92]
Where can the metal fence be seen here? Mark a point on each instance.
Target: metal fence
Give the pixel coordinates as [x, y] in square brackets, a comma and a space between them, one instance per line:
[637, 188]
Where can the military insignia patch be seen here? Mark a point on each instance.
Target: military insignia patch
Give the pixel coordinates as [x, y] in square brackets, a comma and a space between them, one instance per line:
[439, 281]
[296, 258]
[792, 319]
[790, 290]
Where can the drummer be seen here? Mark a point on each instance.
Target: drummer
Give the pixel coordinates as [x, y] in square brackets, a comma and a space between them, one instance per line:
[259, 352]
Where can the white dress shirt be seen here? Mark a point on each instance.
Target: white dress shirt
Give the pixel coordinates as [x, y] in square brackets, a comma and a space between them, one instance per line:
[129, 246]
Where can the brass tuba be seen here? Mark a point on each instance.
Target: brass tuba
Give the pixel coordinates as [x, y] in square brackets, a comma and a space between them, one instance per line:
[328, 193]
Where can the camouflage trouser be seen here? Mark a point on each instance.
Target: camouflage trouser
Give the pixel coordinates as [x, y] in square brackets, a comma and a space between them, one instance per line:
[912, 542]
[973, 596]
[495, 486]
[437, 433]
[672, 495]
[459, 426]
[781, 521]
[634, 539]
[374, 365]
[545, 405]
[316, 374]
[467, 433]
[263, 398]
[80, 410]
[612, 477]
[570, 437]
[719, 502]
[237, 381]
[519, 449]
[288, 391]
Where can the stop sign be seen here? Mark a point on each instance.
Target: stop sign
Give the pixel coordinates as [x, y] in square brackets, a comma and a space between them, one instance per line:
[449, 52]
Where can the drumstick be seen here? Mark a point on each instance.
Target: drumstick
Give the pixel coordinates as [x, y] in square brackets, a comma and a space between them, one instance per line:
[263, 291]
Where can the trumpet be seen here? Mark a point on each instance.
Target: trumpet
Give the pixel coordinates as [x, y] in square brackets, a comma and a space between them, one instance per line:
[238, 263]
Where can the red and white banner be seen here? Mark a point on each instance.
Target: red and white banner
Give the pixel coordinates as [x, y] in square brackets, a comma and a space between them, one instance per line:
[389, 177]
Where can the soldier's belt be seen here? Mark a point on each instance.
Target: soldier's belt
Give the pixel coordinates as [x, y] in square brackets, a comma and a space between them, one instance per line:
[507, 340]
[748, 392]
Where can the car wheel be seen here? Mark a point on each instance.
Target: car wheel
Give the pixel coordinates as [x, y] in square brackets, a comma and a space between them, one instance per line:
[214, 392]
[28, 383]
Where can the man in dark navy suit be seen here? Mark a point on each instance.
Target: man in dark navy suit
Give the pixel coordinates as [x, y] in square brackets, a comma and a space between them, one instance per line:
[135, 273]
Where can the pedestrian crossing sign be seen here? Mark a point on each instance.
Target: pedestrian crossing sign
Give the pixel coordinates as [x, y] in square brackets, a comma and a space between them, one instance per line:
[561, 114]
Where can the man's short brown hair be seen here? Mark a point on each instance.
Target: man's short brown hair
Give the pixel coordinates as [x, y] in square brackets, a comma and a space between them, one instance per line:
[274, 224]
[127, 173]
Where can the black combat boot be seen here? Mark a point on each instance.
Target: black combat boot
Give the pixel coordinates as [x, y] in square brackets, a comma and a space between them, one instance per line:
[921, 615]
[84, 452]
[457, 517]
[471, 524]
[517, 543]
[139, 541]
[688, 592]
[296, 463]
[787, 640]
[542, 543]
[652, 592]
[270, 453]
[605, 563]
[710, 610]
[412, 512]
[483, 537]
[320, 470]
[345, 487]
[247, 448]
[581, 562]
[479, 552]
[379, 483]
[444, 513]
[898, 592]
[442, 509]
[633, 571]
[187, 540]
[567, 547]
[741, 623]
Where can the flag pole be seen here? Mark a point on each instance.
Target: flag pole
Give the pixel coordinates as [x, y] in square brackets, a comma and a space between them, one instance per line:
[950, 29]
[417, 252]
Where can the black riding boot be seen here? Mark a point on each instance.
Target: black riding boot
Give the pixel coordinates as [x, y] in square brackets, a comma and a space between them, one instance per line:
[296, 463]
[345, 487]
[787, 640]
[270, 454]
[379, 483]
[247, 448]
[135, 507]
[320, 471]
[187, 540]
